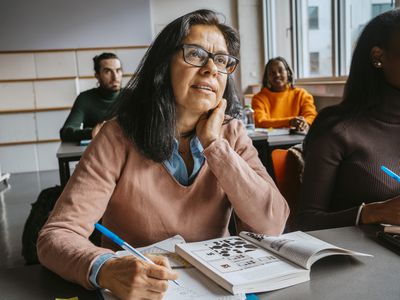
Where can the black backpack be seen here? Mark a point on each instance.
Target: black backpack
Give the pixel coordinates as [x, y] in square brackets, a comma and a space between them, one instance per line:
[38, 216]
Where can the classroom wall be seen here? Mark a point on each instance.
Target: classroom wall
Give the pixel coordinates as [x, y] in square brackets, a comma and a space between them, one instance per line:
[49, 24]
[162, 14]
[250, 25]
[37, 88]
[37, 80]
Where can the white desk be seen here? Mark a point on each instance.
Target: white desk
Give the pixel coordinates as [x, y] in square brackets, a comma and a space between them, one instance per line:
[66, 153]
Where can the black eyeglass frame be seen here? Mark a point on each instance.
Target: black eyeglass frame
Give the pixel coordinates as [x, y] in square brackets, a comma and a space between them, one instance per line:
[210, 55]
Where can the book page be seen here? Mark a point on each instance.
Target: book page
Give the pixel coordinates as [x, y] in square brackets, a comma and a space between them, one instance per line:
[240, 266]
[299, 247]
[193, 285]
[166, 248]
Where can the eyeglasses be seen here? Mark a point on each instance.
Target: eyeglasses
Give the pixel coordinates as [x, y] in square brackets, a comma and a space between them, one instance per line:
[198, 57]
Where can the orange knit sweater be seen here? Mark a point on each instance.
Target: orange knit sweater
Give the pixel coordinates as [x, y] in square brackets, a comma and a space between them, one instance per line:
[276, 109]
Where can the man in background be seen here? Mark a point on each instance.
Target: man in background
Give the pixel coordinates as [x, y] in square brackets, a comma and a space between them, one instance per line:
[91, 107]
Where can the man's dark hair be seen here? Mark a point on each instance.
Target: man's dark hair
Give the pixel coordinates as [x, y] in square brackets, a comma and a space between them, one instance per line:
[98, 58]
[285, 64]
[365, 84]
[147, 110]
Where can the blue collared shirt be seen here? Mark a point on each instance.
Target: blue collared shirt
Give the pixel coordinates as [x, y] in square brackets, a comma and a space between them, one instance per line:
[176, 166]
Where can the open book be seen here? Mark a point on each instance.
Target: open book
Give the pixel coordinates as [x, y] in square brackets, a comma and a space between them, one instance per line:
[252, 263]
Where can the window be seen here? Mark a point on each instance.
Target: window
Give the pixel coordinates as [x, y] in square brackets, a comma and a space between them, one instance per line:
[314, 62]
[318, 37]
[356, 14]
[378, 8]
[313, 17]
[315, 44]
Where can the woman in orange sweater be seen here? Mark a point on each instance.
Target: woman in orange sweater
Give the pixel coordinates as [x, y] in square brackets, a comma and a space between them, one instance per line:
[279, 103]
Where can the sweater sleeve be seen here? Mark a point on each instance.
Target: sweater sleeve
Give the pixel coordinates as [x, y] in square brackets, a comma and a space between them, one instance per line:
[307, 107]
[262, 115]
[63, 244]
[71, 130]
[254, 196]
[323, 158]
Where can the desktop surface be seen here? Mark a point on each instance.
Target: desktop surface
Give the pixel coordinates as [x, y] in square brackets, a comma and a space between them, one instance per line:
[343, 277]
[36, 282]
[334, 277]
[70, 149]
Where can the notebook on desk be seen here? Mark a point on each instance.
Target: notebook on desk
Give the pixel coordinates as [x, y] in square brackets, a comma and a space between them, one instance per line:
[273, 131]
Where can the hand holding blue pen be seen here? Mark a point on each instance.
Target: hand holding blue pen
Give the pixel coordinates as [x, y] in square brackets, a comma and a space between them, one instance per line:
[116, 239]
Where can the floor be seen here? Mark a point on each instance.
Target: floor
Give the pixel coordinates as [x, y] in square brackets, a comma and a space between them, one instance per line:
[15, 205]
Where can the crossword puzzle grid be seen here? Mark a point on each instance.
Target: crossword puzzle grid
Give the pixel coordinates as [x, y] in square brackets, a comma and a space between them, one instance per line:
[234, 254]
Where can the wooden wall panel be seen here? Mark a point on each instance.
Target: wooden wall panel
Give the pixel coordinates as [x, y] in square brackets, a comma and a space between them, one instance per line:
[17, 66]
[55, 93]
[16, 95]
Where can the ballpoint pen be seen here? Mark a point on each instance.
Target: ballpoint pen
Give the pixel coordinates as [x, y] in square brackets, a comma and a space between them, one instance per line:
[390, 173]
[120, 242]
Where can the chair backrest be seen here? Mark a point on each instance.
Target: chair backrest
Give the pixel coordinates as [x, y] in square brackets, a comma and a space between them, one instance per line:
[287, 178]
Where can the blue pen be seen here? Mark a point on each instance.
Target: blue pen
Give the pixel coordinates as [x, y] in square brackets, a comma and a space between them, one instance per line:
[120, 242]
[391, 173]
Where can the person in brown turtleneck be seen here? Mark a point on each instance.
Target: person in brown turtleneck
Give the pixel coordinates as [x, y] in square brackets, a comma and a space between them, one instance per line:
[343, 184]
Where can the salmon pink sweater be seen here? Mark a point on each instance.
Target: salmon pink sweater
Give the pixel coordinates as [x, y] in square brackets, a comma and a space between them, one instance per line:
[142, 202]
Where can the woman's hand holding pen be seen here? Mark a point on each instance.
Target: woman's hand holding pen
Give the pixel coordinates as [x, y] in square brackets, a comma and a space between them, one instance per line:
[208, 129]
[130, 278]
[387, 212]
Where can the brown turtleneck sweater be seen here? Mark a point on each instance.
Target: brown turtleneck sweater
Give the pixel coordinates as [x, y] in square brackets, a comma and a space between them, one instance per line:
[342, 166]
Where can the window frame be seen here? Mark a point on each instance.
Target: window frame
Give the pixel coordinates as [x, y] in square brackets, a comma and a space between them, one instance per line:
[338, 25]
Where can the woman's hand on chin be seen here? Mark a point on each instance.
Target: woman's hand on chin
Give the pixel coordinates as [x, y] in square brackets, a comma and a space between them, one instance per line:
[208, 128]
